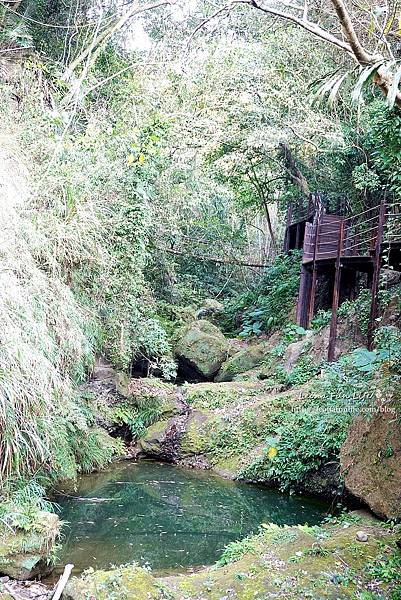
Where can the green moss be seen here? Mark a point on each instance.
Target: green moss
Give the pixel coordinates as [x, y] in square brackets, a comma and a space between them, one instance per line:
[203, 345]
[125, 583]
[242, 361]
[26, 553]
[150, 443]
[195, 440]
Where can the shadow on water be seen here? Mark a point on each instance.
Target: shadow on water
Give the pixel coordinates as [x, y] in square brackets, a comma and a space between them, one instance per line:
[166, 517]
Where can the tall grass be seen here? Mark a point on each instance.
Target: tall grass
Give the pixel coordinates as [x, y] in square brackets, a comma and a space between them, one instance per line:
[47, 344]
[72, 252]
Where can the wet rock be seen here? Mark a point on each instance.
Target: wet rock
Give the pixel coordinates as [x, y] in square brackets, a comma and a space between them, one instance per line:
[28, 590]
[25, 555]
[163, 439]
[245, 360]
[197, 461]
[371, 459]
[324, 482]
[200, 349]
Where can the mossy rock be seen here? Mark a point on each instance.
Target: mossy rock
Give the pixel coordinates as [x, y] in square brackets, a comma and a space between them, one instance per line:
[152, 441]
[195, 440]
[151, 391]
[207, 396]
[27, 554]
[201, 349]
[371, 457]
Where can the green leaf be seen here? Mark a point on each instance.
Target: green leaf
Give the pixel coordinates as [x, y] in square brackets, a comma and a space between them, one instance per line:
[392, 94]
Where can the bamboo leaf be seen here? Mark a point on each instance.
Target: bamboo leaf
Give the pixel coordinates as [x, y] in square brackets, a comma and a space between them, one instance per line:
[335, 88]
[363, 78]
[324, 88]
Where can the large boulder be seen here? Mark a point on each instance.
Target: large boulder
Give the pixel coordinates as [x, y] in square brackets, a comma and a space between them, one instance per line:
[200, 349]
[150, 391]
[27, 554]
[315, 345]
[371, 460]
[209, 309]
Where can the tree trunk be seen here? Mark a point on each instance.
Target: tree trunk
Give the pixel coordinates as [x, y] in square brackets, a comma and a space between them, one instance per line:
[293, 170]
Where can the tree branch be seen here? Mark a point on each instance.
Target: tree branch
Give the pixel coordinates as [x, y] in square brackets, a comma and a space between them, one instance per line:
[103, 37]
[362, 56]
[313, 28]
[220, 261]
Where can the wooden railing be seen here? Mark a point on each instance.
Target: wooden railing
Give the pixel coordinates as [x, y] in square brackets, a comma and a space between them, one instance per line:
[357, 234]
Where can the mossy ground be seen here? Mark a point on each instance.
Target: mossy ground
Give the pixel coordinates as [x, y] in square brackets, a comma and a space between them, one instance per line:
[231, 421]
[280, 562]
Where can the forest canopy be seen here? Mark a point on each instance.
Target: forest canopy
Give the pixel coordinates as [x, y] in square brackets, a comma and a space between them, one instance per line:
[165, 141]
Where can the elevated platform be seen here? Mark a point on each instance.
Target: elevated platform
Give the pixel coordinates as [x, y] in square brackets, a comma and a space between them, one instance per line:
[339, 246]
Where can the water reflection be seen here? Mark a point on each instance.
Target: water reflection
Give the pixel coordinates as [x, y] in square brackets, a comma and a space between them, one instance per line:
[167, 517]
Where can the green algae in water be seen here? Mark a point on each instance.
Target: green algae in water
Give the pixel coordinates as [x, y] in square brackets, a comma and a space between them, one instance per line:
[168, 518]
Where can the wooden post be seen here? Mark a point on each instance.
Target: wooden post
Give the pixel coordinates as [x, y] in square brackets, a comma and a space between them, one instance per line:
[309, 206]
[62, 582]
[376, 274]
[304, 297]
[287, 229]
[297, 237]
[336, 296]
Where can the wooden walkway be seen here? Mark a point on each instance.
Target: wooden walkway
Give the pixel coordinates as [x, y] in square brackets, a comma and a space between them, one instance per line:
[339, 246]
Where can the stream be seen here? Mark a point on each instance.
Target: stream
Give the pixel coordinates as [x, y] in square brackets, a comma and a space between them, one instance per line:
[166, 517]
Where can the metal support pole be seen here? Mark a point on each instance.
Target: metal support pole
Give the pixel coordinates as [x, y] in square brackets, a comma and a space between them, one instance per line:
[376, 274]
[336, 296]
[311, 309]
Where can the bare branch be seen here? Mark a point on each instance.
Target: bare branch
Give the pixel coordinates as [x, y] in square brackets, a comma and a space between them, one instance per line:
[104, 36]
[313, 28]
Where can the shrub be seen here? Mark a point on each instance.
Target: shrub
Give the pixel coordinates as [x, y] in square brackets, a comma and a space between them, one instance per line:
[266, 307]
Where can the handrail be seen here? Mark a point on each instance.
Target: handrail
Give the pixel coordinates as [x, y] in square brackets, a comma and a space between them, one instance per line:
[362, 213]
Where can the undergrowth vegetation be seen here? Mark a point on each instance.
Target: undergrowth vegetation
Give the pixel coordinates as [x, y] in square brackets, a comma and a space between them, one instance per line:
[47, 345]
[311, 433]
[267, 306]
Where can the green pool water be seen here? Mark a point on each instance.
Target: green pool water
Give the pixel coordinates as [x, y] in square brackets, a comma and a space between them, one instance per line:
[166, 517]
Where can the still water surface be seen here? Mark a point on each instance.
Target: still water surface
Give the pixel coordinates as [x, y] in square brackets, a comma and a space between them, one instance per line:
[166, 517]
